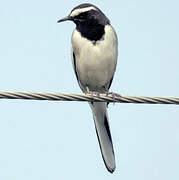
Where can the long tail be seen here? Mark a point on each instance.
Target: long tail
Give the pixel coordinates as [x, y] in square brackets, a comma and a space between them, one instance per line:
[103, 132]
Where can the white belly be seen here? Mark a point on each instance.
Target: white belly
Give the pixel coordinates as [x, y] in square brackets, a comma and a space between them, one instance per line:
[95, 64]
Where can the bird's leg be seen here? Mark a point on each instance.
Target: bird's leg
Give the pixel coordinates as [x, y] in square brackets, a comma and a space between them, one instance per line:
[92, 93]
[88, 91]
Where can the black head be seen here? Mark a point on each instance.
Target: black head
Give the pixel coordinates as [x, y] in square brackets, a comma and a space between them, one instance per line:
[90, 21]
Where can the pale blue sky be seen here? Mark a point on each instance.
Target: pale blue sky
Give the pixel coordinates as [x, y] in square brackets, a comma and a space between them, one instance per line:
[57, 140]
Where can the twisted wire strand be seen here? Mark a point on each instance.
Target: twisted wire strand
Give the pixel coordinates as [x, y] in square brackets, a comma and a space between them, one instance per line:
[111, 97]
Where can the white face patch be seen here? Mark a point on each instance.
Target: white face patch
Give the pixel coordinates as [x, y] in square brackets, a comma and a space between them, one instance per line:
[76, 12]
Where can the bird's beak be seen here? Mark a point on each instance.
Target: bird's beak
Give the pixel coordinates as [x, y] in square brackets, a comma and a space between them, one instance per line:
[68, 18]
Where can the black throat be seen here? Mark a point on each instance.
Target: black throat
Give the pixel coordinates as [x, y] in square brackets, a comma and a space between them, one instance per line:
[91, 32]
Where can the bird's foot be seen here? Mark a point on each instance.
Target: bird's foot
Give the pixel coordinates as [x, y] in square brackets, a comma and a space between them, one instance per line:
[114, 96]
[92, 93]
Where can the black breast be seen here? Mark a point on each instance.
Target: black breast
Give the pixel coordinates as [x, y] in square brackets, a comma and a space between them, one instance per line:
[91, 32]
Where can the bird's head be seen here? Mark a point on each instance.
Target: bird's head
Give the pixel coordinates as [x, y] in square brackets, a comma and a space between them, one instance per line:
[86, 15]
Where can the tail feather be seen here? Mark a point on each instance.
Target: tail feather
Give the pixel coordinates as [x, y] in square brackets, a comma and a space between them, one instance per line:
[103, 132]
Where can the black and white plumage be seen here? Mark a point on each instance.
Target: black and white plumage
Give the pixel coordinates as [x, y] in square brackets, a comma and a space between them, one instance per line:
[94, 58]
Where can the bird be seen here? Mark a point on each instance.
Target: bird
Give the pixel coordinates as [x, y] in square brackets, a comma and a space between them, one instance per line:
[94, 58]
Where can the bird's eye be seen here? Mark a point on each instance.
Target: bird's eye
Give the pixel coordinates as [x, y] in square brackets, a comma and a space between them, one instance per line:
[81, 16]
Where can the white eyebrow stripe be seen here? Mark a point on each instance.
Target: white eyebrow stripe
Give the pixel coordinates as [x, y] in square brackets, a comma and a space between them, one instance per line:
[76, 12]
